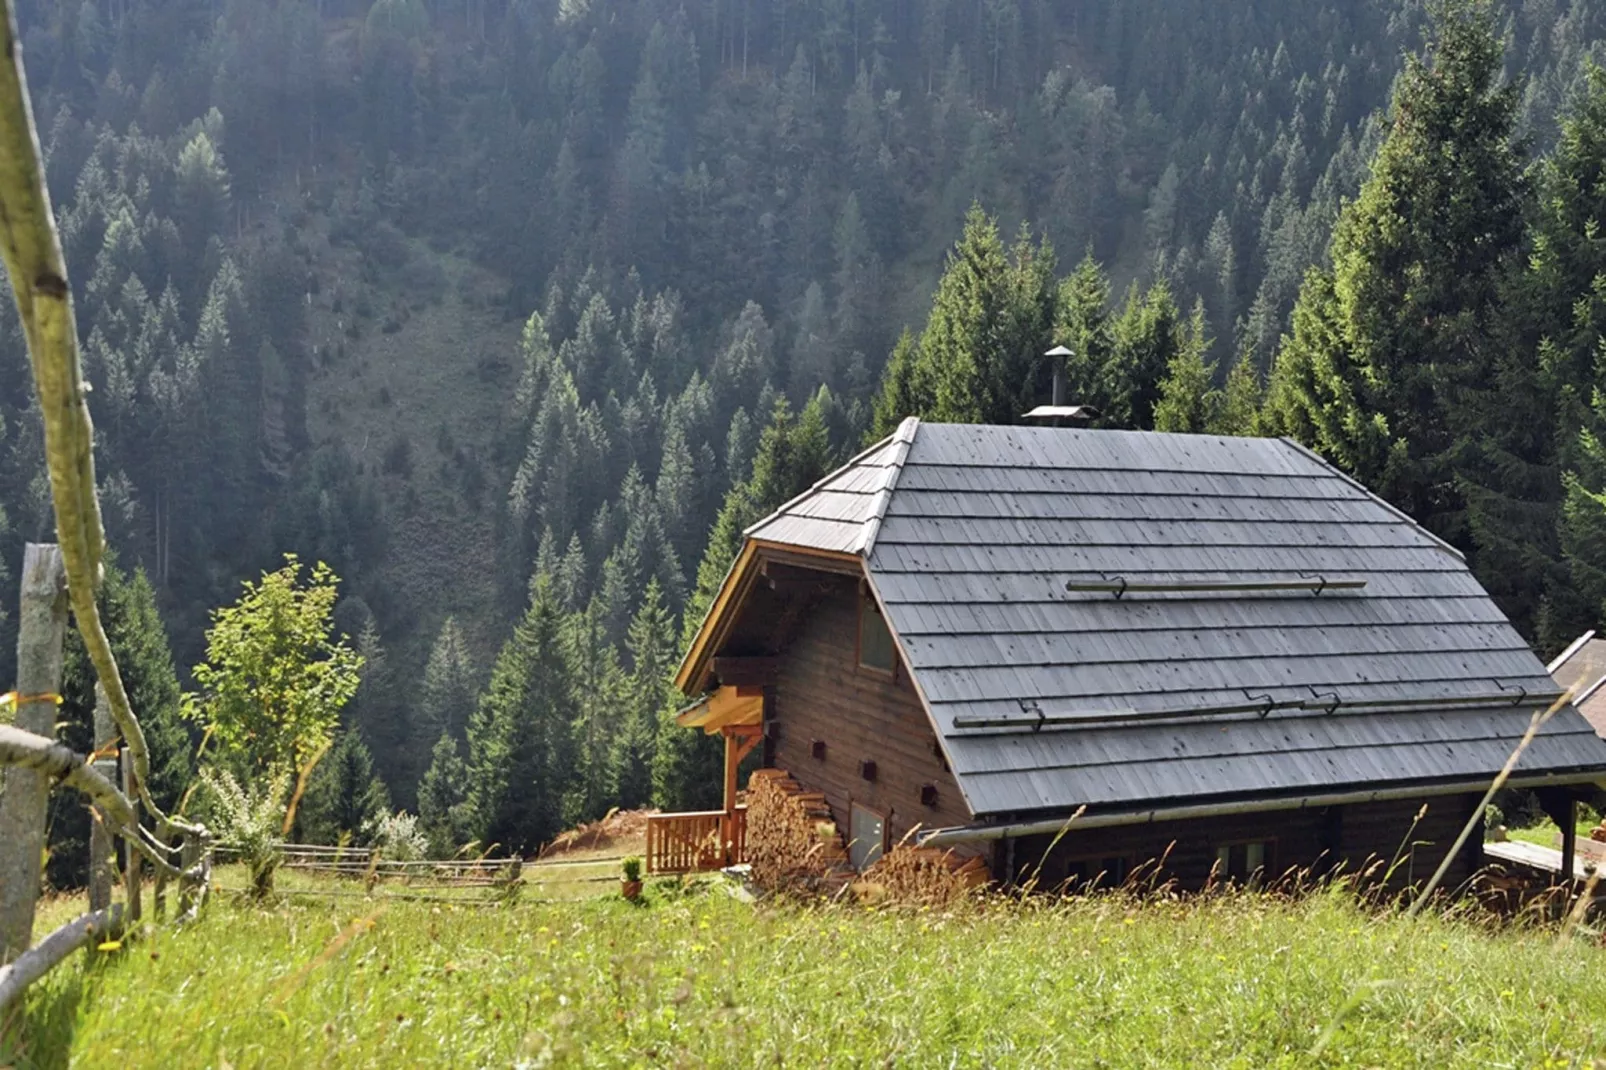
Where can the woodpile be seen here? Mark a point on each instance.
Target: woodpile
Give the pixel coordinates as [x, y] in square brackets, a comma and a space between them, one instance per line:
[793, 843]
[922, 876]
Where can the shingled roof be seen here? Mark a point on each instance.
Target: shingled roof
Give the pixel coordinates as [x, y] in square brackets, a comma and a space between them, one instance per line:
[1111, 618]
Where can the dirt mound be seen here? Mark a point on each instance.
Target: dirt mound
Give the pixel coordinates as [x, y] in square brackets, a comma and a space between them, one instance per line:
[624, 830]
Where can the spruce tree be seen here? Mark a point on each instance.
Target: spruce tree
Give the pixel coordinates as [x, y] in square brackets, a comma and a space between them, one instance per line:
[991, 320]
[139, 642]
[446, 696]
[444, 815]
[1387, 343]
[520, 741]
[1239, 411]
[596, 710]
[1188, 402]
[902, 392]
[343, 796]
[647, 691]
[1144, 339]
[1566, 303]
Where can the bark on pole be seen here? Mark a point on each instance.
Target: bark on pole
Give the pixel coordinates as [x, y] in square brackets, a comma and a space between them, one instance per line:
[131, 859]
[100, 833]
[42, 625]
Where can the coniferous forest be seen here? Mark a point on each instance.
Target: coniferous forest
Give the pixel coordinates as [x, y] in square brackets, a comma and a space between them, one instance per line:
[516, 312]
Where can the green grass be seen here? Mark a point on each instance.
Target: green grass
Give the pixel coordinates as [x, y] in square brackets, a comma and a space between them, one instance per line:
[700, 979]
[1546, 831]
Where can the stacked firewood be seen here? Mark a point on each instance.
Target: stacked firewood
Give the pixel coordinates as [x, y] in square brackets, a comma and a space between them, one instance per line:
[922, 876]
[792, 841]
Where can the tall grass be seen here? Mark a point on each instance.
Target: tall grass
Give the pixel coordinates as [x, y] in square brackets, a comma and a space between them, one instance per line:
[1227, 980]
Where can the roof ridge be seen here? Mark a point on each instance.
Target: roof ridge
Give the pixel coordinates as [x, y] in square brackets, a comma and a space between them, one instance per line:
[1384, 502]
[1574, 647]
[902, 440]
[820, 483]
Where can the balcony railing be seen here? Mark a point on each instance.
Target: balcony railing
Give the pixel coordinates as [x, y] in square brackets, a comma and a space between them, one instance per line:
[696, 842]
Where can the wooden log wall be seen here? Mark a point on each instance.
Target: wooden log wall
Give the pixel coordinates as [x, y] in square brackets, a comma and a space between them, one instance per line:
[1313, 839]
[821, 693]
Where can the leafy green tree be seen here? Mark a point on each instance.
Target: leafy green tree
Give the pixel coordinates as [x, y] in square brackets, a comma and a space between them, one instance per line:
[275, 677]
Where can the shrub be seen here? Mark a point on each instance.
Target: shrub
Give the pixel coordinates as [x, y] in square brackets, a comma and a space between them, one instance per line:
[251, 821]
[397, 836]
[632, 868]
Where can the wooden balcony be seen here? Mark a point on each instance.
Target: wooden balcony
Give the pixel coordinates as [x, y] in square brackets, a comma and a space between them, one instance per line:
[696, 842]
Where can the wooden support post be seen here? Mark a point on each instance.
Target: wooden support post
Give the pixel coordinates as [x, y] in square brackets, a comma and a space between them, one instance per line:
[731, 763]
[131, 859]
[41, 628]
[100, 836]
[1569, 838]
[766, 723]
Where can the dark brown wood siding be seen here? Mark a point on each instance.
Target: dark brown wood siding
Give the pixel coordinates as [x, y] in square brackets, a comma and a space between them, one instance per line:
[1300, 839]
[821, 693]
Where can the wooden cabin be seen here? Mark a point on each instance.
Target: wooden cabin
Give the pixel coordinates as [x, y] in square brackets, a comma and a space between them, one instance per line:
[1073, 652]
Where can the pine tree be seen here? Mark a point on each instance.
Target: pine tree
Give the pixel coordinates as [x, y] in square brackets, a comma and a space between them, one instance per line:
[443, 800]
[1082, 325]
[343, 796]
[1239, 412]
[446, 696]
[902, 393]
[1565, 295]
[647, 691]
[139, 642]
[1144, 339]
[520, 745]
[991, 320]
[1386, 344]
[597, 686]
[1188, 402]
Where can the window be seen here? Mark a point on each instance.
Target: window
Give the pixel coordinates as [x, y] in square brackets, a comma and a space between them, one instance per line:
[875, 641]
[1086, 874]
[1245, 863]
[868, 837]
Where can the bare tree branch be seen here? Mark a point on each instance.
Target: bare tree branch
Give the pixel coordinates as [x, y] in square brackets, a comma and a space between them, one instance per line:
[48, 953]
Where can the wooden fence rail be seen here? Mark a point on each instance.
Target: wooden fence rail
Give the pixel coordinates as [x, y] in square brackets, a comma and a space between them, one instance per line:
[366, 863]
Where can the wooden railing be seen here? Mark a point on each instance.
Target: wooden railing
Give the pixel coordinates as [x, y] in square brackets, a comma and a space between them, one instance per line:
[696, 842]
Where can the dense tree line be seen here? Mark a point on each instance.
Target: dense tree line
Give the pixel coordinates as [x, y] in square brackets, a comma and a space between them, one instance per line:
[726, 234]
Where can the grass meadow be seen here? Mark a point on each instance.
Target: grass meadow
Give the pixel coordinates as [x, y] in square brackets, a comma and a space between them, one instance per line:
[692, 976]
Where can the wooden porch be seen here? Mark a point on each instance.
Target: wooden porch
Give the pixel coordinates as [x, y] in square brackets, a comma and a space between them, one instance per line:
[705, 840]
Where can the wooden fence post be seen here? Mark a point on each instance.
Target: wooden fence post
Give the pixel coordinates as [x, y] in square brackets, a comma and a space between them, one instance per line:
[41, 628]
[131, 859]
[100, 834]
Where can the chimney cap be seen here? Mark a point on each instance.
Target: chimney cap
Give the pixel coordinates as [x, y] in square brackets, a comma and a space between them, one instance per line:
[1067, 412]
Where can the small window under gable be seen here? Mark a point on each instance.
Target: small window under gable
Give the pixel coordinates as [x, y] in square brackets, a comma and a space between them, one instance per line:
[875, 640]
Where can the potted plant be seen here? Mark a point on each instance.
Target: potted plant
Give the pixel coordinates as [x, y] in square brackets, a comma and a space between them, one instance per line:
[630, 883]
